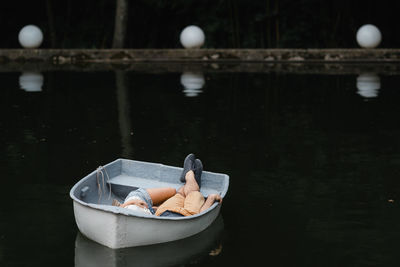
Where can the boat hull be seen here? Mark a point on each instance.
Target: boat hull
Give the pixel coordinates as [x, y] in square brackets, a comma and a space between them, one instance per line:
[121, 231]
[176, 253]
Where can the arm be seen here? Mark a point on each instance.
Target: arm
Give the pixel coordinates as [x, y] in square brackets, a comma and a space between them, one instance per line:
[159, 195]
[210, 201]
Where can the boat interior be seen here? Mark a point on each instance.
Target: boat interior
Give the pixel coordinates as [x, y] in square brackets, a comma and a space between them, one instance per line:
[118, 178]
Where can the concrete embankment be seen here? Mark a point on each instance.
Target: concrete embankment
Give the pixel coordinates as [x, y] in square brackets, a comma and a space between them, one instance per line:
[202, 55]
[333, 61]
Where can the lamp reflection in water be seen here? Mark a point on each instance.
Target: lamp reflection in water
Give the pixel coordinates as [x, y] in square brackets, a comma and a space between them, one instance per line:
[90, 253]
[368, 85]
[193, 83]
[31, 81]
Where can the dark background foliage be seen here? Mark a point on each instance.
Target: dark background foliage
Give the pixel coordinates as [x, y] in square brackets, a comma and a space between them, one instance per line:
[226, 23]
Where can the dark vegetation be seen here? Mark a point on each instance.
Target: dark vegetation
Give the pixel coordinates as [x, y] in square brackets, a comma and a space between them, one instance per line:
[227, 23]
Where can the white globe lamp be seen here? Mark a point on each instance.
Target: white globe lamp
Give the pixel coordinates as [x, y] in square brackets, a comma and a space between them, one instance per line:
[30, 36]
[368, 85]
[369, 36]
[193, 83]
[192, 37]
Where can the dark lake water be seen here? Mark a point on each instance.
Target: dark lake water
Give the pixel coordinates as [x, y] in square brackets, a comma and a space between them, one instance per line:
[313, 160]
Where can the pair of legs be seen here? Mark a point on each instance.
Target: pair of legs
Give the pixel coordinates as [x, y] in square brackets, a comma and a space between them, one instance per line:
[191, 176]
[159, 195]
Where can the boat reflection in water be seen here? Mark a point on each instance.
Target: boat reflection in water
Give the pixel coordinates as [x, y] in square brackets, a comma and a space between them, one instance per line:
[368, 85]
[31, 81]
[193, 83]
[89, 253]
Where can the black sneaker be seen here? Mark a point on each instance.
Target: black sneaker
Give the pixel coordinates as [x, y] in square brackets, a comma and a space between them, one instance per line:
[188, 165]
[198, 170]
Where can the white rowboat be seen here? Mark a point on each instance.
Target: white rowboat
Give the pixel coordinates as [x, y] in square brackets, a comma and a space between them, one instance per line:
[117, 227]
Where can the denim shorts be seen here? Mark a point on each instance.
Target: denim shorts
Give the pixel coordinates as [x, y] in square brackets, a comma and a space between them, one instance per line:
[143, 195]
[168, 213]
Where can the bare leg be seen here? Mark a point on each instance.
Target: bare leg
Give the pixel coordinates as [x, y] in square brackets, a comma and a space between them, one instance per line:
[191, 184]
[181, 191]
[159, 195]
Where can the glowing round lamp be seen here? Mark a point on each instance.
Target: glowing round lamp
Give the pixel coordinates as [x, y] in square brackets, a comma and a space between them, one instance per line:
[192, 37]
[368, 85]
[192, 82]
[31, 81]
[30, 36]
[369, 36]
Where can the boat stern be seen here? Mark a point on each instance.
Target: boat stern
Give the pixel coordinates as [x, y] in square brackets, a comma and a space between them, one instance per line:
[97, 225]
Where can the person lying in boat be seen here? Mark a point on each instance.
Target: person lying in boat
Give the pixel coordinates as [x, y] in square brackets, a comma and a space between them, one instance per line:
[185, 202]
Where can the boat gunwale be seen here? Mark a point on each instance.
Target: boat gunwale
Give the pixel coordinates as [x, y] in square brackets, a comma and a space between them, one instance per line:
[131, 213]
